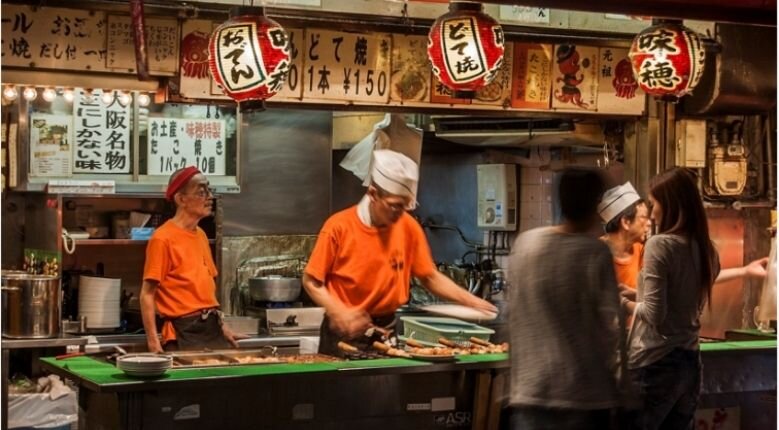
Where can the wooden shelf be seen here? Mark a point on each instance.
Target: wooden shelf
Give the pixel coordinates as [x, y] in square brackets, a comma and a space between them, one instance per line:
[88, 242]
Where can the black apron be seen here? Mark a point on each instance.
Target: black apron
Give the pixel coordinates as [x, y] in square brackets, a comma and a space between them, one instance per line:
[328, 339]
[198, 332]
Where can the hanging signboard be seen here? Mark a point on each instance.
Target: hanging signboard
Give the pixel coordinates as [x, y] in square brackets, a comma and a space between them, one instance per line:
[498, 92]
[175, 143]
[162, 44]
[53, 38]
[532, 83]
[439, 93]
[293, 86]
[51, 143]
[525, 14]
[101, 134]
[575, 78]
[194, 78]
[347, 66]
[410, 80]
[618, 91]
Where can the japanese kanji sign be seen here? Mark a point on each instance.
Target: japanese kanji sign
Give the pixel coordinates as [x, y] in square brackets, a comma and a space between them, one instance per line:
[162, 44]
[531, 87]
[618, 90]
[101, 134]
[525, 14]
[293, 87]
[347, 66]
[53, 38]
[175, 143]
[498, 92]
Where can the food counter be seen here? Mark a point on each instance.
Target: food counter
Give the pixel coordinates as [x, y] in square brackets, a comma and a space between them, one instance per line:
[376, 393]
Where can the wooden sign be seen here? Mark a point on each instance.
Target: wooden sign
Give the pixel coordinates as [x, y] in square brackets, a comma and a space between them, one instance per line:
[293, 87]
[53, 38]
[498, 92]
[575, 78]
[175, 143]
[618, 91]
[102, 134]
[410, 81]
[194, 78]
[532, 80]
[162, 44]
[347, 66]
[440, 94]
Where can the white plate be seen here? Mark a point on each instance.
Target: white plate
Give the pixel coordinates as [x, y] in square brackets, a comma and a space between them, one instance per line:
[460, 312]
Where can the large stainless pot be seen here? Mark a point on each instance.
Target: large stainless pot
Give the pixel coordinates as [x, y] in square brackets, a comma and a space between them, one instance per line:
[274, 289]
[31, 305]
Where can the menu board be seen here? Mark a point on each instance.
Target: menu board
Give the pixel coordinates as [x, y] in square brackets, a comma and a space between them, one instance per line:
[175, 143]
[575, 78]
[410, 79]
[498, 92]
[51, 140]
[53, 38]
[162, 44]
[347, 66]
[618, 90]
[532, 83]
[102, 134]
[439, 93]
[293, 87]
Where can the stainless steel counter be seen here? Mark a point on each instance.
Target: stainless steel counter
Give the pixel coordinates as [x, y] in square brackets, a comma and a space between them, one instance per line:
[50, 342]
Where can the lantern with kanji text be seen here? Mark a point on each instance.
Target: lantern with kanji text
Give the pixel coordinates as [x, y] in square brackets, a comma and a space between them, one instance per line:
[249, 57]
[667, 60]
[465, 47]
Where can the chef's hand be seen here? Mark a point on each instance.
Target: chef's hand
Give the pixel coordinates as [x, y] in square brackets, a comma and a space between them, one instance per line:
[627, 292]
[350, 323]
[154, 346]
[231, 337]
[482, 305]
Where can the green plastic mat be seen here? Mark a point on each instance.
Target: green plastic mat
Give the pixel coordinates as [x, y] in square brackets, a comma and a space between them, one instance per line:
[378, 363]
[738, 345]
[482, 358]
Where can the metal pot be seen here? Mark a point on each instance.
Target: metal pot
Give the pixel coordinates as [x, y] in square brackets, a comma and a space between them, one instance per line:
[274, 289]
[31, 305]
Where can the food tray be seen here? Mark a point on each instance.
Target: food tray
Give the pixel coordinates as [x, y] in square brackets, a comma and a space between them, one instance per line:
[187, 360]
[430, 329]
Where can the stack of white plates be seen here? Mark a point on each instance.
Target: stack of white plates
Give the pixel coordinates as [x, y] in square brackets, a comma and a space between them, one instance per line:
[144, 365]
[99, 301]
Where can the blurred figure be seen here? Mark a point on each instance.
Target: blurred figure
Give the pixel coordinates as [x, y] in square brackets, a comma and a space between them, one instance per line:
[564, 313]
[680, 267]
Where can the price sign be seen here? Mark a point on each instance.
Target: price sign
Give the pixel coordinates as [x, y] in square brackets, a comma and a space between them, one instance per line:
[175, 143]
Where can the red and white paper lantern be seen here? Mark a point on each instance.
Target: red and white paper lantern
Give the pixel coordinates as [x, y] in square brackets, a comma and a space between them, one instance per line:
[667, 60]
[249, 57]
[465, 47]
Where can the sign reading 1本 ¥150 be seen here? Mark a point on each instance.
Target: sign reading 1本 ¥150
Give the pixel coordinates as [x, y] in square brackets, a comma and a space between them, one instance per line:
[347, 66]
[175, 143]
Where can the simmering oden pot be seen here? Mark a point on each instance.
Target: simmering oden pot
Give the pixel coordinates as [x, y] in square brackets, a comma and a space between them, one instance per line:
[31, 305]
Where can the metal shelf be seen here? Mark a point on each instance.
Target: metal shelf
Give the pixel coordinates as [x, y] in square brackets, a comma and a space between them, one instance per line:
[83, 242]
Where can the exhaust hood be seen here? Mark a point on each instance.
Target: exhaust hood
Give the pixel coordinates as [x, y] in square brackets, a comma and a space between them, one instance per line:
[502, 131]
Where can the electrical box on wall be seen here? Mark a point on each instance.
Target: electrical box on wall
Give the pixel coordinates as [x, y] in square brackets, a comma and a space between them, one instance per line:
[691, 143]
[497, 195]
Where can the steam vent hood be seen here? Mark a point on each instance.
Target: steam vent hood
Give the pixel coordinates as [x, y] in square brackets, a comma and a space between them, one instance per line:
[515, 132]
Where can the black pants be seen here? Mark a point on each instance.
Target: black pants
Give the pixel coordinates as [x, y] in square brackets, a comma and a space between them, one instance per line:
[328, 339]
[196, 333]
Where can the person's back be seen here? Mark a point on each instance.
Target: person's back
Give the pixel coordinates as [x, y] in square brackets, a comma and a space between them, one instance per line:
[563, 321]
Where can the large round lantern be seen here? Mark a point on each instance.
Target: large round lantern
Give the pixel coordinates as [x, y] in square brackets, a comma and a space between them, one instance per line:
[249, 57]
[465, 47]
[667, 60]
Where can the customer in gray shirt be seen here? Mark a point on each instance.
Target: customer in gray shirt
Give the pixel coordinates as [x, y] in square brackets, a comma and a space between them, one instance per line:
[564, 308]
[680, 266]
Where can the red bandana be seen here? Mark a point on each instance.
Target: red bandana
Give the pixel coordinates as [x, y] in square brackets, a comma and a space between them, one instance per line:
[180, 181]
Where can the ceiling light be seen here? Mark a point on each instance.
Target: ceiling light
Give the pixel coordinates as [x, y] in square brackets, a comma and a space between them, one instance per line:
[144, 99]
[49, 94]
[68, 96]
[124, 98]
[107, 97]
[30, 94]
[10, 92]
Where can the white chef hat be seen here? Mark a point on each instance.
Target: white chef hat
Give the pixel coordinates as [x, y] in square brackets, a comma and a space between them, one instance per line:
[396, 174]
[616, 200]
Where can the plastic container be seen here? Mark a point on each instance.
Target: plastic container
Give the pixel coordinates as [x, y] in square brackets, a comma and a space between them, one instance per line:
[429, 329]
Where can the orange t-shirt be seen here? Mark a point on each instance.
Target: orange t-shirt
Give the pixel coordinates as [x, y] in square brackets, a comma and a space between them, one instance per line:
[368, 268]
[180, 260]
[627, 268]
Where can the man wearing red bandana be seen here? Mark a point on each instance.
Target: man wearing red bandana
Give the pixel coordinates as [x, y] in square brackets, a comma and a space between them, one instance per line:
[178, 276]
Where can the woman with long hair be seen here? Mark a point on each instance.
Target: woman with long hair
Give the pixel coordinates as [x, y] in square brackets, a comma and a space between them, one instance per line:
[680, 266]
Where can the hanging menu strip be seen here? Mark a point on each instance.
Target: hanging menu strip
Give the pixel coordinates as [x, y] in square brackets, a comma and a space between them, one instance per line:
[162, 44]
[102, 134]
[347, 66]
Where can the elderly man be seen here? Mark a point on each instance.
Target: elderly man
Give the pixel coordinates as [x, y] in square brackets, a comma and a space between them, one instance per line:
[364, 257]
[178, 277]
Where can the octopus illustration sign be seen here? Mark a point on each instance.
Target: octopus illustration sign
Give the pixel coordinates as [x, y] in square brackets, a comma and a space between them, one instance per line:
[465, 47]
[618, 90]
[249, 57]
[668, 60]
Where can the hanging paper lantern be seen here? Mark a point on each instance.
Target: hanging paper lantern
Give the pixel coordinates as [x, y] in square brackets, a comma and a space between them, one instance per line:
[465, 47]
[249, 57]
[667, 60]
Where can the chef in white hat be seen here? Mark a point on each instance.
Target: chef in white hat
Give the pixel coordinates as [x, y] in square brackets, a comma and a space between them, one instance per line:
[363, 260]
[626, 218]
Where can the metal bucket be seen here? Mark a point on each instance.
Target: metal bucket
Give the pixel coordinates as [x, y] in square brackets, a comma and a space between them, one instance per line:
[31, 305]
[274, 288]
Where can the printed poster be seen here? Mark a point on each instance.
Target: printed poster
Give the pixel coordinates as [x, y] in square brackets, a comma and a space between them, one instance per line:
[498, 92]
[618, 90]
[51, 144]
[575, 77]
[175, 143]
[410, 80]
[532, 80]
